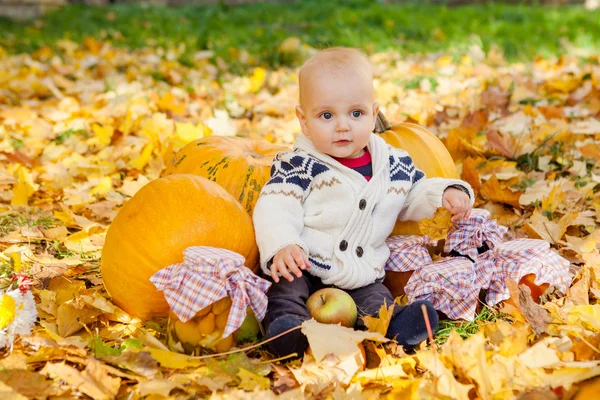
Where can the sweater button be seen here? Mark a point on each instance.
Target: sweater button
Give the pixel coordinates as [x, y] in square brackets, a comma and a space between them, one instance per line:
[359, 251]
[362, 204]
[343, 245]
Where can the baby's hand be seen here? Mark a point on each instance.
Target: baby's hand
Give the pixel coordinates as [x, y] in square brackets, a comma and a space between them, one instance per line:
[457, 202]
[290, 258]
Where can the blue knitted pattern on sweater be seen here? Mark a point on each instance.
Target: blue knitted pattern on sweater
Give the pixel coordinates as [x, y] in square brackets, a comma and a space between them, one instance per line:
[301, 170]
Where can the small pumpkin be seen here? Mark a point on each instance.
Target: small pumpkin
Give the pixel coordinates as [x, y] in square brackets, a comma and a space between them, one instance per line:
[431, 156]
[240, 165]
[153, 228]
[427, 152]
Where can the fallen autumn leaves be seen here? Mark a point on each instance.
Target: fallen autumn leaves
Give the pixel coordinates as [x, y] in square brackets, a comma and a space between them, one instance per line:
[83, 129]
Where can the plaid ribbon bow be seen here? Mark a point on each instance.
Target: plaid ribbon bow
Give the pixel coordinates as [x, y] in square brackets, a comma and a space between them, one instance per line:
[206, 275]
[449, 285]
[514, 260]
[407, 252]
[471, 233]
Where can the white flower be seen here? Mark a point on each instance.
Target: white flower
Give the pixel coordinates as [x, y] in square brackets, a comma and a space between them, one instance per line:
[17, 315]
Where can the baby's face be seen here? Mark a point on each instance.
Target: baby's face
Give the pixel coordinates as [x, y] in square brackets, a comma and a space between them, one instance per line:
[338, 113]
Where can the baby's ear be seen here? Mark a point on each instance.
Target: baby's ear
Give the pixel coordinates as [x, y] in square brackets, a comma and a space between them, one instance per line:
[301, 118]
[375, 113]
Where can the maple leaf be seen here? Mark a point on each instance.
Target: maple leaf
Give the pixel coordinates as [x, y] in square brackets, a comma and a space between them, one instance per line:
[380, 323]
[470, 174]
[492, 191]
[438, 226]
[541, 228]
[535, 315]
[503, 144]
[445, 383]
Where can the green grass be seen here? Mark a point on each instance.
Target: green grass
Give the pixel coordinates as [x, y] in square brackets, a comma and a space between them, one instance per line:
[467, 328]
[9, 223]
[417, 27]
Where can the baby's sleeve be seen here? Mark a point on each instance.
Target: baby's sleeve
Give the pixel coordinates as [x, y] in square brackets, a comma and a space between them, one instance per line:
[425, 195]
[279, 214]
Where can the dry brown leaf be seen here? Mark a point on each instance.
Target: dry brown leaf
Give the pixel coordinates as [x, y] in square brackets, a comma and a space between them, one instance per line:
[93, 381]
[578, 293]
[535, 315]
[491, 190]
[586, 348]
[283, 379]
[380, 323]
[71, 317]
[505, 144]
[438, 226]
[140, 363]
[470, 174]
[27, 383]
[541, 228]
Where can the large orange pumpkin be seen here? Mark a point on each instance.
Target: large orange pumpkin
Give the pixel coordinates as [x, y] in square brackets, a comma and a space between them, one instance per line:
[242, 166]
[153, 228]
[431, 156]
[427, 151]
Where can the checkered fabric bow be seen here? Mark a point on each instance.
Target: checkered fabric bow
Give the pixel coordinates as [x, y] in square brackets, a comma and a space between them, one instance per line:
[206, 275]
[471, 233]
[449, 285]
[514, 260]
[407, 252]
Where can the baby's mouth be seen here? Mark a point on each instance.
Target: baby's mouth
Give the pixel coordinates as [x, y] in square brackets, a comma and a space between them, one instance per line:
[344, 141]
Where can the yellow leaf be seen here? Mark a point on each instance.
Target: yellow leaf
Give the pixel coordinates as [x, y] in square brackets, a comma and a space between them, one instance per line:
[103, 134]
[585, 244]
[541, 228]
[257, 80]
[66, 216]
[169, 359]
[102, 188]
[140, 162]
[157, 386]
[187, 132]
[445, 383]
[23, 189]
[8, 310]
[168, 102]
[70, 319]
[555, 198]
[16, 258]
[380, 323]
[587, 316]
[492, 191]
[251, 381]
[438, 226]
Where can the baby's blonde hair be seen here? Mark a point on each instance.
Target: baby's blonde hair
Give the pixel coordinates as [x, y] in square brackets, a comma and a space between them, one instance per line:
[335, 60]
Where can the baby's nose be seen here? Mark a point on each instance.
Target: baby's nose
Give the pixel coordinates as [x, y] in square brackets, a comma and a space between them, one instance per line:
[341, 126]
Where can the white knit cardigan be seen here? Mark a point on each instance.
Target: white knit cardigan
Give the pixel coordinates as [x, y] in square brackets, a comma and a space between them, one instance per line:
[336, 216]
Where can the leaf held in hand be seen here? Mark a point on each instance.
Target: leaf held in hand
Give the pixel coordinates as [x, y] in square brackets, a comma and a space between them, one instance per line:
[438, 226]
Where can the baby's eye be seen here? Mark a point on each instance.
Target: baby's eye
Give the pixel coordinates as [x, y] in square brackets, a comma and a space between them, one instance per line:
[327, 115]
[356, 113]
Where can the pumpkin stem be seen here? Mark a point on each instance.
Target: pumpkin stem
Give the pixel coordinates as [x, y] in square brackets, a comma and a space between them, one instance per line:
[382, 124]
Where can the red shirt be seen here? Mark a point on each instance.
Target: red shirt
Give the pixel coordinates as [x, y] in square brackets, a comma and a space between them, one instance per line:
[361, 164]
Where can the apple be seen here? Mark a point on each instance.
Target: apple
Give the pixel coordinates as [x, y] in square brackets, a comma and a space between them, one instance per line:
[332, 306]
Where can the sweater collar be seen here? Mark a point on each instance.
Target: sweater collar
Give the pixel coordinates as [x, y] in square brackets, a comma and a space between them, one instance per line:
[376, 146]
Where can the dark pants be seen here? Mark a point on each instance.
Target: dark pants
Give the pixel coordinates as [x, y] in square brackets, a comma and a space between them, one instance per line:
[287, 308]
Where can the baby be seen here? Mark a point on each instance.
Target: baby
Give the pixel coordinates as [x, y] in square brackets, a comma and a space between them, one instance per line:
[323, 217]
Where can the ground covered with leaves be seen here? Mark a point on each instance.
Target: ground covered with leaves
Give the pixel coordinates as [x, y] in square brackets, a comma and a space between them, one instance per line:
[84, 125]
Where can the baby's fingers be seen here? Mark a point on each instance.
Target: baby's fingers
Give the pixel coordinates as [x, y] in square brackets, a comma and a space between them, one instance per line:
[274, 274]
[283, 270]
[300, 260]
[296, 261]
